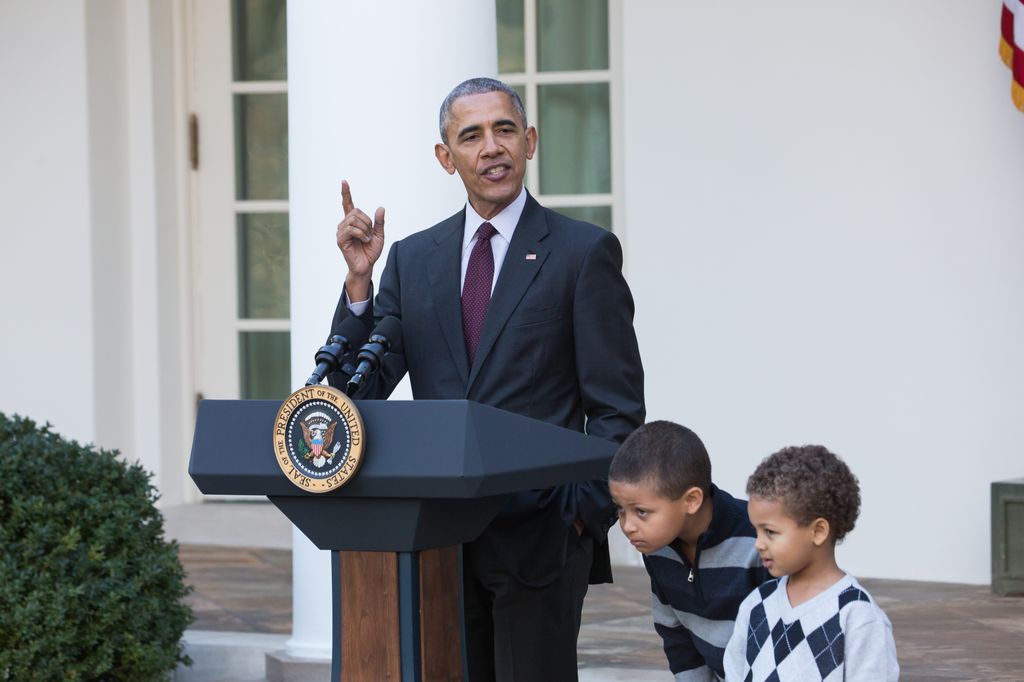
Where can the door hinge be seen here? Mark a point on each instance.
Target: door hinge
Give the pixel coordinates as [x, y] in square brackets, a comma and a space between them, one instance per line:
[193, 141]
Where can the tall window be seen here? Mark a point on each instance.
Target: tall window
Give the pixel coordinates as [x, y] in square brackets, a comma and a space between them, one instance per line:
[260, 106]
[557, 54]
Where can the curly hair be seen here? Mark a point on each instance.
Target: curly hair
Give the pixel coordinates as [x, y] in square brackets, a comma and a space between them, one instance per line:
[667, 456]
[811, 483]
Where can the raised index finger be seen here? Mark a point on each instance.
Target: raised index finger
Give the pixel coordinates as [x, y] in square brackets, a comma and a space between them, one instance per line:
[346, 198]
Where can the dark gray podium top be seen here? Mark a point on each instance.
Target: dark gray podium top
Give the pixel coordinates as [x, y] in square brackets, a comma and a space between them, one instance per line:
[433, 473]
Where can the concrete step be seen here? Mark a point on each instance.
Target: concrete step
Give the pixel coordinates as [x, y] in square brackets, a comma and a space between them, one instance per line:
[284, 668]
[229, 656]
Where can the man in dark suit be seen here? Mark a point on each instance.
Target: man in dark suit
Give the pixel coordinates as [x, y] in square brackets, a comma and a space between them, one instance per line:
[513, 305]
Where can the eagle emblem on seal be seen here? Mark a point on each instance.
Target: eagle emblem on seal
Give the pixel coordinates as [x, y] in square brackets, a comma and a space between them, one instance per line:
[318, 435]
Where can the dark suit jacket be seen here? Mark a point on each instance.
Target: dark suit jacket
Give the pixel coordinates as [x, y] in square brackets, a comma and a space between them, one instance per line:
[557, 345]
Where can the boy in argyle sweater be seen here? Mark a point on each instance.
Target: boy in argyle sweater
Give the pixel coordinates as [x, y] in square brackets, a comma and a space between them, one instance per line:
[815, 622]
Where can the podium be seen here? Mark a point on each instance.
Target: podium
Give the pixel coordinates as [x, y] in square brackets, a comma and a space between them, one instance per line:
[434, 474]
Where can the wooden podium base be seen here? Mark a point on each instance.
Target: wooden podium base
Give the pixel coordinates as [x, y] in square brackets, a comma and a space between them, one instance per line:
[398, 616]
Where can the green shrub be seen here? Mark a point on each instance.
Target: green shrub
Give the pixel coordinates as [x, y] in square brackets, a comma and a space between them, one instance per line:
[89, 589]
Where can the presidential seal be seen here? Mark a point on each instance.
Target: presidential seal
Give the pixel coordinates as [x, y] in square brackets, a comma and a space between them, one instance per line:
[318, 438]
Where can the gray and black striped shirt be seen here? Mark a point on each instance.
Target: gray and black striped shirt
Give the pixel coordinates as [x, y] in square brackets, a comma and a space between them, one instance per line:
[694, 607]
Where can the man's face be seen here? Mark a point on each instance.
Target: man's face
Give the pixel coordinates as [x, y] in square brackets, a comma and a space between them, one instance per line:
[488, 147]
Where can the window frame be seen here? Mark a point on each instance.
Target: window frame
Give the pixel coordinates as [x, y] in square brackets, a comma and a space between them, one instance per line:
[530, 78]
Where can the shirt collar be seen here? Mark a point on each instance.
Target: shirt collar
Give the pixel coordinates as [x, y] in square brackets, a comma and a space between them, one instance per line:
[505, 222]
[724, 518]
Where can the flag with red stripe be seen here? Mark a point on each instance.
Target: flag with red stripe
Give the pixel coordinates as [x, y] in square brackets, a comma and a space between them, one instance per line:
[1011, 47]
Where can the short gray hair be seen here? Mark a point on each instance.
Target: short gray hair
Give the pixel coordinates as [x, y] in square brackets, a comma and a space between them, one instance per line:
[477, 86]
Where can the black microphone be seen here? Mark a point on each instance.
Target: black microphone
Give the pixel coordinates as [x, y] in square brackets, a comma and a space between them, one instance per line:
[385, 338]
[351, 333]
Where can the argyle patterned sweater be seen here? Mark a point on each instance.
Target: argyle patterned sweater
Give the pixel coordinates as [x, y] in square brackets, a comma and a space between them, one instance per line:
[840, 634]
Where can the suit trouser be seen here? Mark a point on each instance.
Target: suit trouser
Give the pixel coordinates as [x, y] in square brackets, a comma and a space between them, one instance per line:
[517, 633]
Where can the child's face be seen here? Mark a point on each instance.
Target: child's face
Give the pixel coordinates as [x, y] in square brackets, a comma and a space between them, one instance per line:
[648, 520]
[785, 546]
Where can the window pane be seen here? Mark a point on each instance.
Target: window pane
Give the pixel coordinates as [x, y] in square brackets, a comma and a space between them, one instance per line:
[258, 32]
[261, 146]
[599, 215]
[263, 265]
[572, 35]
[265, 359]
[511, 49]
[575, 139]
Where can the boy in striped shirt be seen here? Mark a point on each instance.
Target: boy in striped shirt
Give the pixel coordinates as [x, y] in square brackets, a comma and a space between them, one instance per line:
[697, 542]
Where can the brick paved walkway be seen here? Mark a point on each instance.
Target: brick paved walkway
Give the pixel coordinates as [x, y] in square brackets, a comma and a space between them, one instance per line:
[943, 631]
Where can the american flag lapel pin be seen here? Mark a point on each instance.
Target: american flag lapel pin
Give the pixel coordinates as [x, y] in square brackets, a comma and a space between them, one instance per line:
[531, 256]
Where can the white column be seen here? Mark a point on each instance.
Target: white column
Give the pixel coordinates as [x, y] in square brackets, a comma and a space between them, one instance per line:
[146, 339]
[46, 272]
[365, 82]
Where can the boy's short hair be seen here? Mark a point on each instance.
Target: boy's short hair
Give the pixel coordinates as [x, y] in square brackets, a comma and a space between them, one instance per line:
[811, 482]
[667, 456]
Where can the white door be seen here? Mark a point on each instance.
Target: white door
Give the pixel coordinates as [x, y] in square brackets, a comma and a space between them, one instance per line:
[238, 95]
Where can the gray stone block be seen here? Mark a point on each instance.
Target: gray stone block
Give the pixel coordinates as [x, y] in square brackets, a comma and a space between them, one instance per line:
[284, 668]
[227, 656]
[1008, 537]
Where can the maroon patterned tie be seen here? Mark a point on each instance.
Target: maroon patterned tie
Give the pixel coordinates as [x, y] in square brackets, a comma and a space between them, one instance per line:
[476, 292]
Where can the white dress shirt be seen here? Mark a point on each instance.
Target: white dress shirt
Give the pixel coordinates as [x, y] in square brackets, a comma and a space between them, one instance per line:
[505, 223]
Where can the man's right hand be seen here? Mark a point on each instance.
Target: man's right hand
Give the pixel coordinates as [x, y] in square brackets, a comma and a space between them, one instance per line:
[361, 242]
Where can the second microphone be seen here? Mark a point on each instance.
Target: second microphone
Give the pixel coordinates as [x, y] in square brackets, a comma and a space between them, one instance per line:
[385, 338]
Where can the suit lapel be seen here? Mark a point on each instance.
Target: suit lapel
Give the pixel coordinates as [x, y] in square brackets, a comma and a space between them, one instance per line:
[517, 272]
[445, 272]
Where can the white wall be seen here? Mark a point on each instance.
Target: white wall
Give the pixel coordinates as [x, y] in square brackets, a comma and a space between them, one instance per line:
[90, 265]
[826, 242]
[47, 323]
